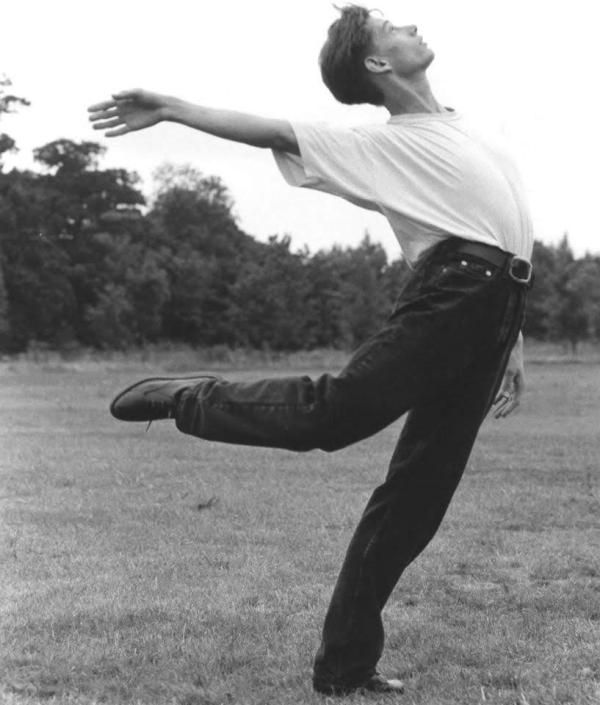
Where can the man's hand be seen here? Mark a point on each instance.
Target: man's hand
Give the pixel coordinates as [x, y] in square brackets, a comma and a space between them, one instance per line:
[128, 111]
[513, 384]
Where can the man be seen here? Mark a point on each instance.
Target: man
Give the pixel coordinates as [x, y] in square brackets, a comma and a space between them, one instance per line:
[456, 204]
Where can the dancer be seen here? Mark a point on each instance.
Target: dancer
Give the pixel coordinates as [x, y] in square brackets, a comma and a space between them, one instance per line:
[449, 350]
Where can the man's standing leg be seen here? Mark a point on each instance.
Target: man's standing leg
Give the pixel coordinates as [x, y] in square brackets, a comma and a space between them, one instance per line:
[400, 519]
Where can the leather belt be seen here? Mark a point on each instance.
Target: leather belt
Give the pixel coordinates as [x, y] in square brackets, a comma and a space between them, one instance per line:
[517, 268]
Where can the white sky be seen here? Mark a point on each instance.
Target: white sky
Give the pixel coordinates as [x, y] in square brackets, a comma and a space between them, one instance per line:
[524, 67]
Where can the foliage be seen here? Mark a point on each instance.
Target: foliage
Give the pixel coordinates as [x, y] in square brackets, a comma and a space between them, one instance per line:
[564, 303]
[8, 102]
[56, 263]
[7, 144]
[86, 261]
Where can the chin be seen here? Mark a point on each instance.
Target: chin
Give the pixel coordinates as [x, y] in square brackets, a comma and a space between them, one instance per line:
[429, 58]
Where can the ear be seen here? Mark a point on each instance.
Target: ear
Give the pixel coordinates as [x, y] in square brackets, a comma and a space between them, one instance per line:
[376, 64]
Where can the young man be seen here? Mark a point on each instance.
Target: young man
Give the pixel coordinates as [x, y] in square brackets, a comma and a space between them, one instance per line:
[456, 204]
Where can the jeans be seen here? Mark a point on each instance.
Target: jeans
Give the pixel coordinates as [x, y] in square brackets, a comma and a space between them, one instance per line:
[441, 357]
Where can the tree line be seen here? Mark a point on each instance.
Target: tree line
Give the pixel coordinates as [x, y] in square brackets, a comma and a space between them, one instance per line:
[86, 260]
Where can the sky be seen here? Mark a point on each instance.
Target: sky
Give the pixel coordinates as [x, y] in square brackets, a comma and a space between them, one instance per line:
[525, 68]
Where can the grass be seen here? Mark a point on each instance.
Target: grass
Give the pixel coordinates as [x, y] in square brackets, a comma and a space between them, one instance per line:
[153, 568]
[170, 356]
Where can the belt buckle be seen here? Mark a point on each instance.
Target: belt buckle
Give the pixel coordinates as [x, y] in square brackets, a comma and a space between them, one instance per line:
[515, 275]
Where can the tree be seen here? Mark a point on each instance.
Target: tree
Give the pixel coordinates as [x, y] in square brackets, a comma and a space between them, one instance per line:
[8, 102]
[359, 297]
[568, 319]
[109, 317]
[54, 262]
[64, 156]
[82, 261]
[269, 302]
[41, 299]
[130, 294]
[81, 201]
[196, 210]
[542, 301]
[192, 218]
[582, 300]
[81, 194]
[191, 313]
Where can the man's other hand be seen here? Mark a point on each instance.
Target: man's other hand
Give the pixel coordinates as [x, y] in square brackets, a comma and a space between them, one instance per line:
[128, 111]
[513, 384]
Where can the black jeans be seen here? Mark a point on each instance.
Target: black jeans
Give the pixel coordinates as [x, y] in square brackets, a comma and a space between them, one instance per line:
[440, 356]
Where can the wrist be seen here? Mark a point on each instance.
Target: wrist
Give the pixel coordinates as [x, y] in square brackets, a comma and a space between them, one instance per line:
[170, 110]
[517, 351]
[518, 342]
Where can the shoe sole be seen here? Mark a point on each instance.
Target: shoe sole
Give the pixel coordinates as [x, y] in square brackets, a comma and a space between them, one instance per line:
[150, 379]
[340, 691]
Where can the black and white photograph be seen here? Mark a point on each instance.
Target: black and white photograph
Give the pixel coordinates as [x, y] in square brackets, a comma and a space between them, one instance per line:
[299, 353]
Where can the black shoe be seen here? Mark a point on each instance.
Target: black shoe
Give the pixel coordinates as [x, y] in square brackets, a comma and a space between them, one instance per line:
[375, 684]
[152, 399]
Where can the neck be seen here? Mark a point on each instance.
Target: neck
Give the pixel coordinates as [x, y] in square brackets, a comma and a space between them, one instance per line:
[410, 95]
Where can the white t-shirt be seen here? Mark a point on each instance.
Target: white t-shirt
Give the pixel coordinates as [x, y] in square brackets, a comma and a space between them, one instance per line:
[430, 174]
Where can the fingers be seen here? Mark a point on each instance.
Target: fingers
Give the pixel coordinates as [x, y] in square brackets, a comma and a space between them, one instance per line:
[500, 403]
[104, 105]
[118, 132]
[502, 394]
[508, 398]
[107, 124]
[103, 114]
[106, 118]
[505, 404]
[127, 95]
[116, 100]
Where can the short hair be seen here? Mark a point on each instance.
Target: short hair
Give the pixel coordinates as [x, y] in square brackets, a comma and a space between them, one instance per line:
[342, 58]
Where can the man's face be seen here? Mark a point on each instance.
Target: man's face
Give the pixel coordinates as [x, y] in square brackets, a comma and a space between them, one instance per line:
[401, 47]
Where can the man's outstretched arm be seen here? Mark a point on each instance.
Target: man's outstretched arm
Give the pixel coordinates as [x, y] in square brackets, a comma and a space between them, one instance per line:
[137, 109]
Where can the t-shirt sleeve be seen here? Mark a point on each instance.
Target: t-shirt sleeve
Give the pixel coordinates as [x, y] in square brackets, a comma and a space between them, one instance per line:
[336, 160]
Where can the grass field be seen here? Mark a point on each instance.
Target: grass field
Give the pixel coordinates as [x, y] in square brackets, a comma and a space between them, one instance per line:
[155, 568]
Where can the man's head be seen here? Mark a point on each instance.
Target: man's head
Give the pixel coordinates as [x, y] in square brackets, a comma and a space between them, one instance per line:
[362, 52]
